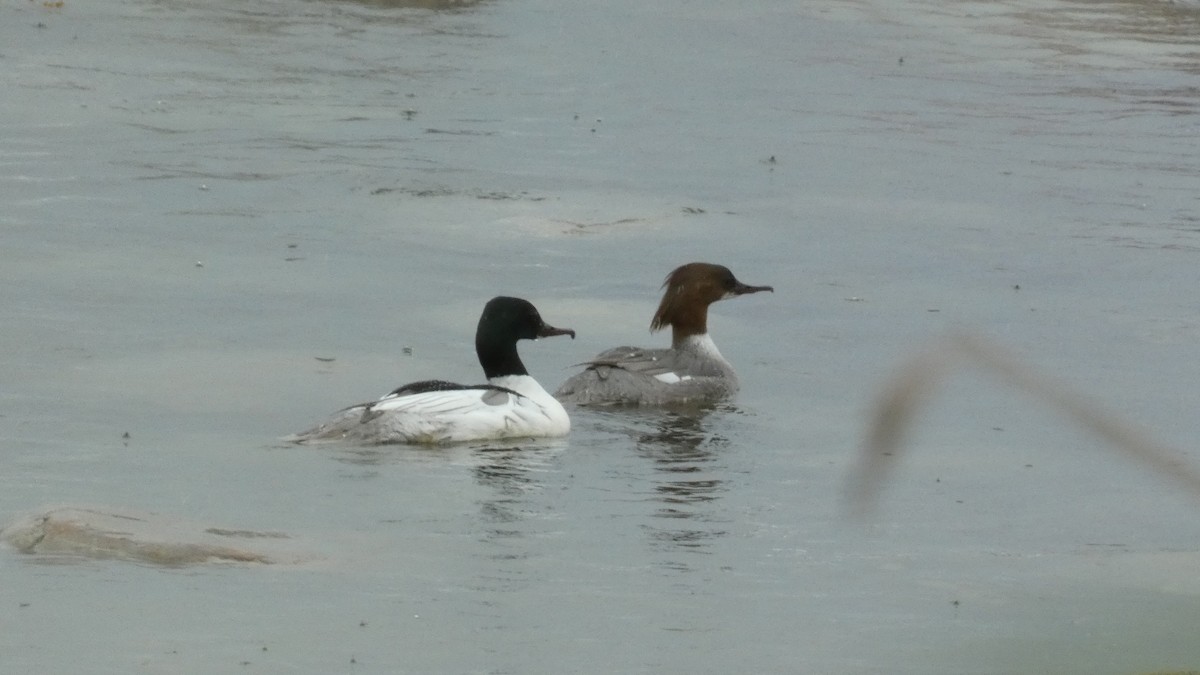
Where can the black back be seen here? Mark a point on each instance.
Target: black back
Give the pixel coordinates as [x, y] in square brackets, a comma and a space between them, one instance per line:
[426, 386]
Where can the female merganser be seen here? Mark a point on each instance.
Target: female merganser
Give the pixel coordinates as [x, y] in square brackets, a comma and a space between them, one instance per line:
[692, 370]
[512, 404]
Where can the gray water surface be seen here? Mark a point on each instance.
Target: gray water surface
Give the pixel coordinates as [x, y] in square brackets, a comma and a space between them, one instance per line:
[200, 200]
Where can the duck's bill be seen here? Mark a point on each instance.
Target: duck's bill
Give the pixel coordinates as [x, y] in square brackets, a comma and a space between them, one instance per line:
[551, 331]
[743, 289]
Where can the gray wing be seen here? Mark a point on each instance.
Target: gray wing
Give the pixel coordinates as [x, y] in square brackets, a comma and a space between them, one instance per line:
[624, 375]
[648, 362]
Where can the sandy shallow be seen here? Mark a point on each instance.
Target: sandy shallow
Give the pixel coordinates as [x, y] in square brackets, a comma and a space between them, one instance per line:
[102, 532]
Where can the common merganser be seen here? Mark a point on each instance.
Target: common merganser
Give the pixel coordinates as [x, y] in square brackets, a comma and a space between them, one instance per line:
[692, 370]
[512, 404]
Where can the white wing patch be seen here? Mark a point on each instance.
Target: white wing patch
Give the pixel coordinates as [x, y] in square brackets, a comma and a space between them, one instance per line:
[671, 377]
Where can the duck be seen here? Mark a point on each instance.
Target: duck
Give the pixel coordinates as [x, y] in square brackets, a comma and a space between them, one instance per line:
[510, 405]
[691, 371]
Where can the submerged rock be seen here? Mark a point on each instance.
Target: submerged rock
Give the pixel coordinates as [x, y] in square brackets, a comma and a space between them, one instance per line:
[122, 534]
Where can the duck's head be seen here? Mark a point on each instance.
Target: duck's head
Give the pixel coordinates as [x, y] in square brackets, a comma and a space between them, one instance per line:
[691, 288]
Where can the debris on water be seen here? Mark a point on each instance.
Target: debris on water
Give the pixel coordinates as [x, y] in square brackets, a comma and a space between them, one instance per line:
[325, 359]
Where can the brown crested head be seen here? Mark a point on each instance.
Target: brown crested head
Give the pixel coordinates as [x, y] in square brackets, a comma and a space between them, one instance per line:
[691, 288]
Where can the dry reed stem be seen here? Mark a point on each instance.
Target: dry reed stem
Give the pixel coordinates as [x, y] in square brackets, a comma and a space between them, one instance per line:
[919, 378]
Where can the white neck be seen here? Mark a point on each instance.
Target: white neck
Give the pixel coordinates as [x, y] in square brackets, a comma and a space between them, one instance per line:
[701, 345]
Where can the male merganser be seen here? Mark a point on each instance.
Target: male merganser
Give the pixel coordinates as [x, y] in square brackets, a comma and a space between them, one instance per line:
[512, 404]
[692, 370]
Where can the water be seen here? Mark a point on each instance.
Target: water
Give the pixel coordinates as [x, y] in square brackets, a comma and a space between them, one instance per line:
[200, 199]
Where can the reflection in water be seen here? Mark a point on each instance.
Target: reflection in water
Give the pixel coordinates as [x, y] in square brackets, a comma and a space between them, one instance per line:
[507, 471]
[678, 469]
[684, 453]
[377, 455]
[508, 521]
[500, 511]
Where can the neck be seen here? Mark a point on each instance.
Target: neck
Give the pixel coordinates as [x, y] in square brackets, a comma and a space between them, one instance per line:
[685, 318]
[681, 335]
[501, 360]
[700, 344]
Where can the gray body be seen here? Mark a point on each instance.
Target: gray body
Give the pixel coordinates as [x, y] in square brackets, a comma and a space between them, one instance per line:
[693, 372]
